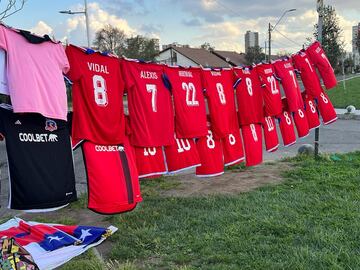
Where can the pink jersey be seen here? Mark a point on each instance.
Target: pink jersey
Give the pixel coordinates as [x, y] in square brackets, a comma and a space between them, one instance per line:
[35, 73]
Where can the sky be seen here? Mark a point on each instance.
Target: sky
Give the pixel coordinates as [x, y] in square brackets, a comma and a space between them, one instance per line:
[222, 23]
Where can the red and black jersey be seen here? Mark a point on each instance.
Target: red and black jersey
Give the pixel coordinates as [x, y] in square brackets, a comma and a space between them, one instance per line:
[270, 134]
[271, 86]
[286, 73]
[253, 144]
[150, 161]
[182, 155]
[150, 106]
[286, 125]
[97, 93]
[301, 123]
[233, 148]
[189, 102]
[249, 96]
[211, 156]
[311, 111]
[326, 109]
[307, 73]
[322, 63]
[40, 162]
[220, 95]
[113, 180]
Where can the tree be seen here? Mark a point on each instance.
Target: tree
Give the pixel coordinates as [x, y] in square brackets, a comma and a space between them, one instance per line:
[207, 46]
[141, 47]
[110, 39]
[331, 35]
[254, 55]
[11, 7]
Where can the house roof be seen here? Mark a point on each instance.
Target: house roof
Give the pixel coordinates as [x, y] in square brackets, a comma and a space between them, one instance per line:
[233, 58]
[200, 56]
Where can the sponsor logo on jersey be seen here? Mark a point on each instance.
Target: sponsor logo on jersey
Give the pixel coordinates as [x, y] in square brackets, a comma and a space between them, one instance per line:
[246, 71]
[268, 71]
[97, 68]
[109, 148]
[38, 138]
[68, 193]
[287, 65]
[50, 125]
[148, 75]
[18, 122]
[183, 73]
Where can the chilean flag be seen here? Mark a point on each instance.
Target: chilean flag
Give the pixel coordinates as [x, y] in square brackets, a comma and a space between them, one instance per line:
[51, 245]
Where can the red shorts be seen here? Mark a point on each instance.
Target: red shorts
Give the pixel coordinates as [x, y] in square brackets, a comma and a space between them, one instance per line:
[252, 135]
[270, 134]
[233, 148]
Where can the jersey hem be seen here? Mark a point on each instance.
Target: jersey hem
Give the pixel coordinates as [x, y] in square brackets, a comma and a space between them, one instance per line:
[48, 115]
[209, 175]
[98, 211]
[152, 174]
[273, 149]
[235, 161]
[290, 144]
[315, 127]
[44, 206]
[300, 137]
[331, 121]
[184, 169]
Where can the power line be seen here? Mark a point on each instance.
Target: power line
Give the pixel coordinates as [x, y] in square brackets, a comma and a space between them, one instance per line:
[289, 39]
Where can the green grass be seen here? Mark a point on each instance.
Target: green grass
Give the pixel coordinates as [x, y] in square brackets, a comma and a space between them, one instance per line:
[342, 98]
[310, 221]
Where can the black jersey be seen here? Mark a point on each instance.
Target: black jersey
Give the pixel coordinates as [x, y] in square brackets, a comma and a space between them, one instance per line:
[41, 170]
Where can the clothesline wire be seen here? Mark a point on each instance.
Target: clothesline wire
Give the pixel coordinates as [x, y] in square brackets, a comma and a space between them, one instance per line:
[289, 39]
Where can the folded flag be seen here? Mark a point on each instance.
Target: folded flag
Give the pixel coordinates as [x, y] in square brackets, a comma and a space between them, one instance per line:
[52, 245]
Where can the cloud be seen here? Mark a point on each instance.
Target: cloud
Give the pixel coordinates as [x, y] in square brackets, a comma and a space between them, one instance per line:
[192, 22]
[41, 28]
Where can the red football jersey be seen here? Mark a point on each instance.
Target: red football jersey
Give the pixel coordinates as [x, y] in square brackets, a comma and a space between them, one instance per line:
[113, 181]
[287, 126]
[189, 101]
[270, 134]
[211, 156]
[97, 94]
[311, 111]
[308, 73]
[301, 123]
[320, 60]
[150, 105]
[182, 155]
[220, 96]
[253, 144]
[271, 86]
[249, 96]
[150, 161]
[326, 109]
[233, 148]
[285, 71]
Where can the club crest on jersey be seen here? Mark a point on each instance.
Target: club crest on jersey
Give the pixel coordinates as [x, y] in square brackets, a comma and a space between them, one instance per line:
[50, 125]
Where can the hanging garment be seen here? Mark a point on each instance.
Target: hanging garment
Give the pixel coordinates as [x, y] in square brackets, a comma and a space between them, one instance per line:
[41, 171]
[150, 161]
[286, 125]
[35, 73]
[301, 123]
[307, 73]
[113, 182]
[182, 155]
[189, 102]
[97, 91]
[322, 63]
[211, 156]
[270, 134]
[286, 73]
[326, 109]
[219, 91]
[249, 96]
[252, 136]
[52, 245]
[4, 88]
[271, 92]
[150, 107]
[311, 111]
[232, 146]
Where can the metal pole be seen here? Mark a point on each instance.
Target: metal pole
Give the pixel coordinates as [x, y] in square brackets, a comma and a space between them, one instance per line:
[87, 23]
[269, 43]
[320, 6]
[265, 45]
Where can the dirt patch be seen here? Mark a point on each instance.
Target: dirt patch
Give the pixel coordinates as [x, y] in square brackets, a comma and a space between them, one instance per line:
[232, 182]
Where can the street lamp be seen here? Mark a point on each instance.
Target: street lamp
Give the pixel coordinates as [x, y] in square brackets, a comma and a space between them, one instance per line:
[85, 12]
[272, 28]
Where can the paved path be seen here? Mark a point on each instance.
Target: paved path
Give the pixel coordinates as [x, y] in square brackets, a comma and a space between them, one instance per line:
[342, 136]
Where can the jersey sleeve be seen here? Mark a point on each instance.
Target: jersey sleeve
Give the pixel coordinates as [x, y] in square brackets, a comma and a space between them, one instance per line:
[63, 60]
[3, 37]
[74, 72]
